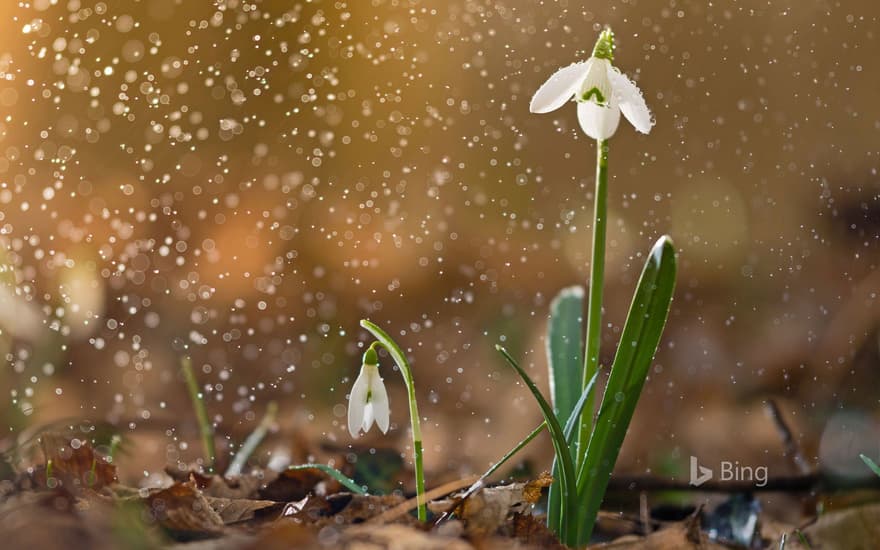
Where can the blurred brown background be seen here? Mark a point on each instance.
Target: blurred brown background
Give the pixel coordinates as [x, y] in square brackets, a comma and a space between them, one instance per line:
[243, 181]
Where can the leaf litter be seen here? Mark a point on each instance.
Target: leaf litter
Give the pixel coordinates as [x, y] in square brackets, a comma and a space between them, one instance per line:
[75, 499]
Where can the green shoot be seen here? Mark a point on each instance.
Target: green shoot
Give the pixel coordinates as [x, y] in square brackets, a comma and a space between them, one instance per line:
[565, 360]
[638, 343]
[557, 436]
[573, 505]
[206, 429]
[253, 441]
[335, 474]
[870, 464]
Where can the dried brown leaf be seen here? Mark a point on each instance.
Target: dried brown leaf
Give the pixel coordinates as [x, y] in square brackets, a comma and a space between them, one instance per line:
[237, 510]
[293, 485]
[390, 537]
[854, 528]
[531, 531]
[679, 536]
[485, 511]
[72, 464]
[532, 489]
[182, 507]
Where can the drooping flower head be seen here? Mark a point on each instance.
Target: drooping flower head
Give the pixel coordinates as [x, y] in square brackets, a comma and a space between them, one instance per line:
[368, 400]
[601, 91]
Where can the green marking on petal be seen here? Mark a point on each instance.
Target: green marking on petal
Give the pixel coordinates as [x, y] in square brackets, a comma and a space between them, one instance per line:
[588, 95]
[604, 48]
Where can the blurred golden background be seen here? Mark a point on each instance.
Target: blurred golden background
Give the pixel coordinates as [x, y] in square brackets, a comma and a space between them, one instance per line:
[243, 181]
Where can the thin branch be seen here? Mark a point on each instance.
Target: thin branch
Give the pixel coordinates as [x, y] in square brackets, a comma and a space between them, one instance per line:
[792, 448]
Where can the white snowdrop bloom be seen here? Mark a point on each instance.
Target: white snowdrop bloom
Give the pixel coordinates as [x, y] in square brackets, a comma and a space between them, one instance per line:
[601, 91]
[368, 400]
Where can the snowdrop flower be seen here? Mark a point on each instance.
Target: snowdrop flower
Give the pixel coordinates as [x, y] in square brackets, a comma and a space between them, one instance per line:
[368, 400]
[601, 91]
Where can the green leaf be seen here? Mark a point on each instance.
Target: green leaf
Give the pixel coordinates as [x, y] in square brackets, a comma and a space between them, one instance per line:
[871, 464]
[564, 354]
[253, 441]
[638, 343]
[565, 361]
[335, 474]
[557, 436]
[555, 494]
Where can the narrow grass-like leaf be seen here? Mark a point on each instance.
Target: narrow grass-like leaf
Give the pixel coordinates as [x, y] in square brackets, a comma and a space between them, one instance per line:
[555, 494]
[578, 410]
[870, 464]
[206, 428]
[478, 484]
[638, 343]
[253, 441]
[557, 436]
[335, 474]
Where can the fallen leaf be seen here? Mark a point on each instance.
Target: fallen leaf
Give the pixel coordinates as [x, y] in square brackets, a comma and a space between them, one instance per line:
[340, 509]
[532, 531]
[684, 535]
[297, 484]
[485, 510]
[237, 510]
[855, 528]
[183, 508]
[73, 464]
[390, 537]
[532, 489]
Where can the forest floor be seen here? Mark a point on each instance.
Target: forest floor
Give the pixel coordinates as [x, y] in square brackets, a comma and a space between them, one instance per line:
[73, 499]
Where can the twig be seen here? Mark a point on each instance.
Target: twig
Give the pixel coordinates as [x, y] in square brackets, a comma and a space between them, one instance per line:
[406, 506]
[253, 441]
[792, 449]
[205, 428]
[480, 482]
[644, 513]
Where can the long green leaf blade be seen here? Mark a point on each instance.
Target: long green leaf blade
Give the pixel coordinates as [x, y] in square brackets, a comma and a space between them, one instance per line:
[555, 494]
[638, 343]
[347, 482]
[565, 361]
[870, 464]
[564, 354]
[557, 436]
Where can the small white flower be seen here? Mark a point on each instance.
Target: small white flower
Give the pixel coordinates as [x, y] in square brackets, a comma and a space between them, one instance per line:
[602, 92]
[368, 400]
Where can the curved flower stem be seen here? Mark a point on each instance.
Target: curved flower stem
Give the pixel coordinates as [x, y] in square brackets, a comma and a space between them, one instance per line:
[403, 365]
[597, 277]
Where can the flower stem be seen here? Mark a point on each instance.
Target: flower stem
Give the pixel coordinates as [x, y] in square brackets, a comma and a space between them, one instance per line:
[206, 430]
[403, 365]
[597, 277]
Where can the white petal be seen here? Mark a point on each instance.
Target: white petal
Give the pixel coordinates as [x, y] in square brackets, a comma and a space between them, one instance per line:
[379, 400]
[632, 104]
[357, 401]
[559, 88]
[597, 121]
[597, 85]
[368, 416]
